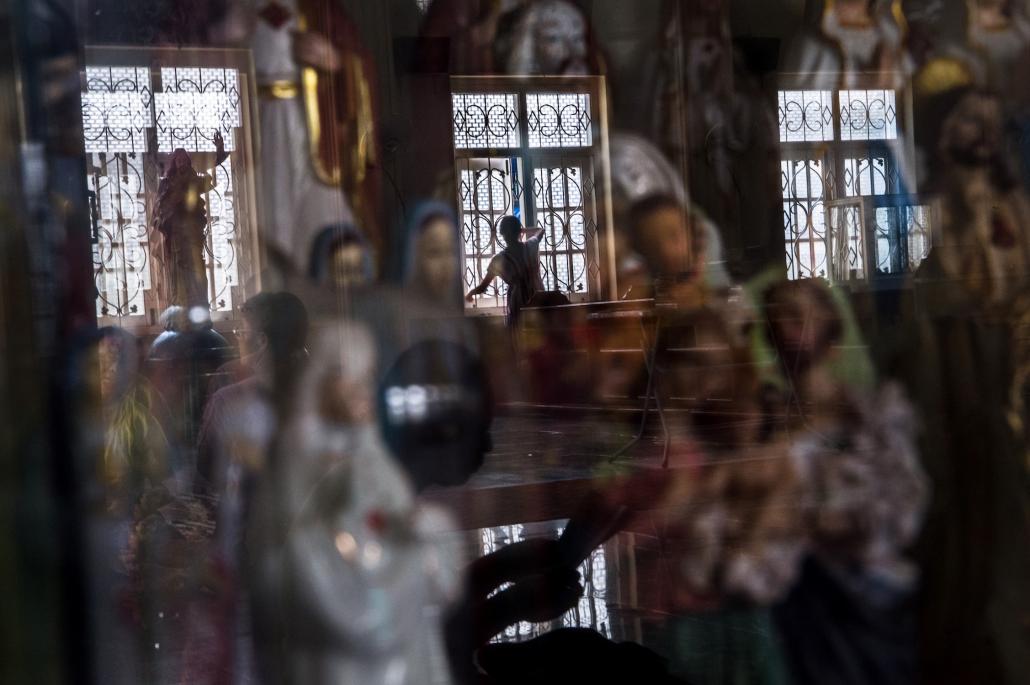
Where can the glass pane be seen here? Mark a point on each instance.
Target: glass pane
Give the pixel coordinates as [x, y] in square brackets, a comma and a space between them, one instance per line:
[559, 120]
[486, 120]
[805, 115]
[868, 115]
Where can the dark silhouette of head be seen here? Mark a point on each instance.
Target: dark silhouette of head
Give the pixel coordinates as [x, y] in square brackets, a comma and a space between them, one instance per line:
[281, 320]
[278, 326]
[180, 161]
[510, 229]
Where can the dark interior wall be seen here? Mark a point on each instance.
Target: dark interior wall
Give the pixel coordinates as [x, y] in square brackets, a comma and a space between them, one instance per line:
[629, 34]
[769, 18]
[387, 27]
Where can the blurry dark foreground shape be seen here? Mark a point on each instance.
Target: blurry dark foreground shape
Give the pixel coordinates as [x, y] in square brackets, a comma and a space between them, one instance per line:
[182, 363]
[435, 413]
[573, 655]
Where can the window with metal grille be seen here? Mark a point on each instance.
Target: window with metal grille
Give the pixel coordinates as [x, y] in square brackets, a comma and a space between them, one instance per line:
[133, 116]
[533, 153]
[847, 212]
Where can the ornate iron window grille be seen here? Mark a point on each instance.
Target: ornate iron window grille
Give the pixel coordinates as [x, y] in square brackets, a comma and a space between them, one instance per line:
[846, 212]
[531, 154]
[126, 126]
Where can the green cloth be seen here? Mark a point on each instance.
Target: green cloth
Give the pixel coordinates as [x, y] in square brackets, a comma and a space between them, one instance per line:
[724, 647]
[852, 364]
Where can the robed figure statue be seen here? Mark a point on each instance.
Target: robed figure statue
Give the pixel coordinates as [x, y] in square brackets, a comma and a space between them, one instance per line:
[180, 219]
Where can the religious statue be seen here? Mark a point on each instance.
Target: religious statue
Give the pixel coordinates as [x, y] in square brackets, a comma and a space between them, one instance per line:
[346, 564]
[956, 357]
[548, 37]
[714, 120]
[318, 120]
[466, 30]
[180, 220]
[860, 44]
[999, 31]
[981, 239]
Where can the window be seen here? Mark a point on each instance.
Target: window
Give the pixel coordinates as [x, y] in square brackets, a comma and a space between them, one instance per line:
[847, 213]
[134, 115]
[534, 154]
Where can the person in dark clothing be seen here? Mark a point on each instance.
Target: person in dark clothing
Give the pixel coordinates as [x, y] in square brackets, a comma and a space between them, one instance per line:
[518, 265]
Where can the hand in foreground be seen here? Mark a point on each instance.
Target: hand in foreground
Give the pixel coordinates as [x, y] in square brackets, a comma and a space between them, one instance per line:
[540, 598]
[512, 563]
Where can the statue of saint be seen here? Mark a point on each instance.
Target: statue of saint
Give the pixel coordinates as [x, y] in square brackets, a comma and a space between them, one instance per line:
[318, 120]
[860, 44]
[714, 121]
[180, 220]
[548, 37]
[999, 31]
[346, 565]
[466, 31]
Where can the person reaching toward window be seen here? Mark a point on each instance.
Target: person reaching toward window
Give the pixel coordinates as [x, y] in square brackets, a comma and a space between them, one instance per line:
[518, 265]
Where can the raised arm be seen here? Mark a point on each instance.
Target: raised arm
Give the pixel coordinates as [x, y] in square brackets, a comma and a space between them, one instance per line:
[220, 154]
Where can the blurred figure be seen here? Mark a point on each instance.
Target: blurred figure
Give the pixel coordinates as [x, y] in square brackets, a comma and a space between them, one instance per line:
[431, 301]
[123, 454]
[240, 419]
[808, 331]
[518, 265]
[180, 221]
[640, 171]
[134, 448]
[859, 44]
[341, 259]
[715, 119]
[730, 534]
[548, 37]
[239, 427]
[432, 269]
[667, 238]
[954, 354]
[183, 364]
[999, 31]
[346, 568]
[982, 239]
[865, 492]
[318, 115]
[863, 507]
